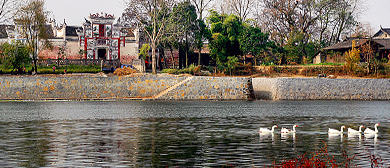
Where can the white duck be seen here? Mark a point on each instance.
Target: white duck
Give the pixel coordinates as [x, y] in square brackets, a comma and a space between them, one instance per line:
[370, 131]
[333, 131]
[352, 131]
[285, 130]
[266, 130]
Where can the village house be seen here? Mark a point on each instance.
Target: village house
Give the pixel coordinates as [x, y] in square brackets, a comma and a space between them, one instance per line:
[98, 38]
[379, 43]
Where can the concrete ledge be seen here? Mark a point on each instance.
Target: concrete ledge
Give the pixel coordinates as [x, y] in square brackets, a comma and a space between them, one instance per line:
[321, 89]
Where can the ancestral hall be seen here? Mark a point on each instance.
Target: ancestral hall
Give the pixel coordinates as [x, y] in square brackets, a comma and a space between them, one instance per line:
[97, 38]
[102, 39]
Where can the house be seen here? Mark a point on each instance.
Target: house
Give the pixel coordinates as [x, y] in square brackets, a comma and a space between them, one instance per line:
[380, 44]
[98, 38]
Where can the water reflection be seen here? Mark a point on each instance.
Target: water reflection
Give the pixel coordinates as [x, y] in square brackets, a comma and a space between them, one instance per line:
[184, 134]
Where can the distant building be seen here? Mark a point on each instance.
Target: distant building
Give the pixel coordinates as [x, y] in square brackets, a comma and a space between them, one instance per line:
[380, 44]
[97, 38]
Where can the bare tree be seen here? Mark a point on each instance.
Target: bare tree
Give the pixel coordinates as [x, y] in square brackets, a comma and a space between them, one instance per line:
[241, 8]
[201, 6]
[7, 9]
[152, 17]
[317, 18]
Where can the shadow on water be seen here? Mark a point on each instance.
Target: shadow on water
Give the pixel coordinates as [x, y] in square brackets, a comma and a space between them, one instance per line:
[184, 134]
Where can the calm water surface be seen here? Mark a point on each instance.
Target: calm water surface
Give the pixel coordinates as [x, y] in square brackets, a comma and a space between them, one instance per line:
[184, 133]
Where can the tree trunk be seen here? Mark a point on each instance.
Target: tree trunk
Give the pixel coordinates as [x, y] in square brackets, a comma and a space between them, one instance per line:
[173, 58]
[200, 54]
[153, 45]
[186, 50]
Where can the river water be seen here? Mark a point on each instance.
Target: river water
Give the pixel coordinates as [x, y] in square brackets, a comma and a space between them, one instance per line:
[186, 133]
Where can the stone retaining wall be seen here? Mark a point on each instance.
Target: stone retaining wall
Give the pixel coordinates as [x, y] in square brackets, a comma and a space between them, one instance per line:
[321, 89]
[41, 88]
[213, 88]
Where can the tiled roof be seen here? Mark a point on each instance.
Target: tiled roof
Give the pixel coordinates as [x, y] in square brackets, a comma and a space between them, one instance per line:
[382, 30]
[347, 44]
[129, 32]
[384, 42]
[71, 30]
[3, 30]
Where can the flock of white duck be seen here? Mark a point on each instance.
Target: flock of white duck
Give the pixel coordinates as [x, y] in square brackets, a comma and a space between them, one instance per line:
[331, 131]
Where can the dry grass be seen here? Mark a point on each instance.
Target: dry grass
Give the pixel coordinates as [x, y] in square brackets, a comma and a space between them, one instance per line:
[124, 71]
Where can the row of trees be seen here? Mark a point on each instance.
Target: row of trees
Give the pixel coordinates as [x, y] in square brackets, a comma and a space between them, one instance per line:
[283, 31]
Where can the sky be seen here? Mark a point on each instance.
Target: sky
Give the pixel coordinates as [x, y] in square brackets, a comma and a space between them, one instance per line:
[74, 11]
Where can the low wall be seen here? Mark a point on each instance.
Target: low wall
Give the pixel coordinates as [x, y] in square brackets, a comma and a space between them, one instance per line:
[41, 88]
[321, 89]
[212, 88]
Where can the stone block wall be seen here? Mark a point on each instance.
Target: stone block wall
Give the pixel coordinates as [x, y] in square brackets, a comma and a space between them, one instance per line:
[73, 88]
[321, 89]
[83, 87]
[213, 88]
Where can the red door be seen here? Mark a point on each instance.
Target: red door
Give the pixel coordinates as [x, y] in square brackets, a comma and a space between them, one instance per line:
[101, 30]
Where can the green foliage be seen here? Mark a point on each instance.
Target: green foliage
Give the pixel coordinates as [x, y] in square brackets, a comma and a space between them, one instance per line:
[231, 64]
[253, 41]
[14, 56]
[143, 52]
[226, 32]
[69, 68]
[299, 48]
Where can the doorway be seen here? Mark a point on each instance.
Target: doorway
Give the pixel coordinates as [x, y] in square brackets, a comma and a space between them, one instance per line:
[102, 54]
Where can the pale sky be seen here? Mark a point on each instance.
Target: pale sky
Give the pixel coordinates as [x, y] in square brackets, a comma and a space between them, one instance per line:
[74, 11]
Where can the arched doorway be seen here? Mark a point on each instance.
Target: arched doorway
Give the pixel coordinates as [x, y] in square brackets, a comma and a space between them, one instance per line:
[102, 53]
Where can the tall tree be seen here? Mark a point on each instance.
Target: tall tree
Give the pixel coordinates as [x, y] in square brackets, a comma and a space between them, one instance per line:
[201, 6]
[226, 31]
[241, 8]
[151, 16]
[31, 18]
[320, 21]
[253, 41]
[185, 22]
[7, 9]
[202, 33]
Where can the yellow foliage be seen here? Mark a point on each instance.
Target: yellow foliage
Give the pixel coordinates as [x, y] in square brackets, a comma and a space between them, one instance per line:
[352, 58]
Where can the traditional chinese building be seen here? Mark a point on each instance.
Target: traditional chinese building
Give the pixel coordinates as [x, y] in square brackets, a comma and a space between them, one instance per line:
[97, 38]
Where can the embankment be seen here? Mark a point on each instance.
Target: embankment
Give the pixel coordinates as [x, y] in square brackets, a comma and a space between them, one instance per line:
[321, 89]
[149, 87]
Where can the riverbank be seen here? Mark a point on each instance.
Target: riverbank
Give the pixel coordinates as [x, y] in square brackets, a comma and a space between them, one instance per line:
[167, 87]
[143, 87]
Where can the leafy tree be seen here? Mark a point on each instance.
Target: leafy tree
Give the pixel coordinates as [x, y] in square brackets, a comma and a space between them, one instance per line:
[231, 63]
[151, 16]
[143, 51]
[226, 32]
[14, 56]
[184, 21]
[31, 18]
[253, 41]
[202, 33]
